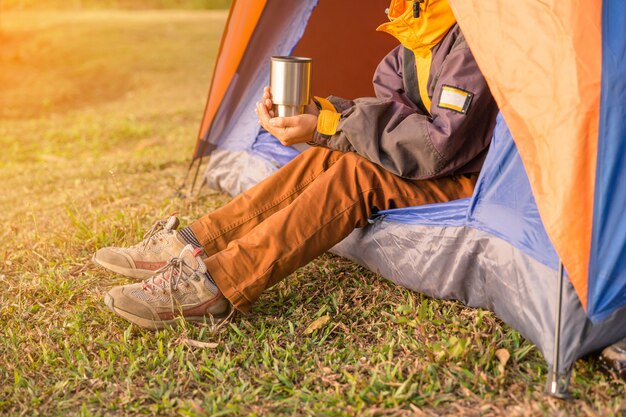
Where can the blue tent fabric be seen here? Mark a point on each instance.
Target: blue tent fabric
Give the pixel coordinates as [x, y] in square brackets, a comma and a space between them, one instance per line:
[607, 264]
[502, 203]
[269, 148]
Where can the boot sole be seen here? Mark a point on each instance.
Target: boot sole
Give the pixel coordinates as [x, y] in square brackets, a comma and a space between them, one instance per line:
[152, 324]
[138, 274]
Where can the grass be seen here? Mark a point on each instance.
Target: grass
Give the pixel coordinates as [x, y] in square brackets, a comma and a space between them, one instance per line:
[98, 116]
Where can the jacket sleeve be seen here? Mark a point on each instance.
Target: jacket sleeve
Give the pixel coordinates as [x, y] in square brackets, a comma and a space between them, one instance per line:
[391, 131]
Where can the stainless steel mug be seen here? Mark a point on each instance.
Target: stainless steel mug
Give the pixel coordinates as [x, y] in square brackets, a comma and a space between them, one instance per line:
[290, 82]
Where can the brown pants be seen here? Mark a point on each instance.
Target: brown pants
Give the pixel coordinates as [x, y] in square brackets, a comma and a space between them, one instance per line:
[301, 211]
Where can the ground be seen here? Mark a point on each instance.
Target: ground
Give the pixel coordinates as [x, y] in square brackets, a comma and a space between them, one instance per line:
[99, 112]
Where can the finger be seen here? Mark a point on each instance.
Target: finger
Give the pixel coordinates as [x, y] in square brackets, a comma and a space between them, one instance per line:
[267, 101]
[262, 112]
[270, 107]
[279, 129]
[278, 122]
[264, 117]
[267, 95]
[290, 121]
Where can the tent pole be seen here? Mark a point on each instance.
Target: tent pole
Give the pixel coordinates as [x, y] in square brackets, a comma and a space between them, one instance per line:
[195, 176]
[557, 386]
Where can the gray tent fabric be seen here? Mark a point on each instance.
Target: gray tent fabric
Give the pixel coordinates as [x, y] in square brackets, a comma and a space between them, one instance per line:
[481, 270]
[236, 171]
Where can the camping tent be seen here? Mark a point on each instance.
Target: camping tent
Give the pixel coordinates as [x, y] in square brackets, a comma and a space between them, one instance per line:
[550, 194]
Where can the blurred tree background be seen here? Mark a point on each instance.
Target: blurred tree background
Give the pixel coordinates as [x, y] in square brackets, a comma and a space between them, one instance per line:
[112, 4]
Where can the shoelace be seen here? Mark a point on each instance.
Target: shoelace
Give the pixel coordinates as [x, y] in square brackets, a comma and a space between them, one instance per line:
[160, 278]
[167, 284]
[156, 229]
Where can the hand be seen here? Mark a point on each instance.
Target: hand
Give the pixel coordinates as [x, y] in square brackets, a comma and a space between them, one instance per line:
[269, 104]
[288, 130]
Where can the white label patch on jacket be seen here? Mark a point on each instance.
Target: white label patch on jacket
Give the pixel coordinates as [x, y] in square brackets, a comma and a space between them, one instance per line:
[454, 98]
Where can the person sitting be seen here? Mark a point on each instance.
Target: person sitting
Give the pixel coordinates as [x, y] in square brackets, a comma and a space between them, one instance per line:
[421, 140]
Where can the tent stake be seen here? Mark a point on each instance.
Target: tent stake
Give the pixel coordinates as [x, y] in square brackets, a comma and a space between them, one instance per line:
[557, 385]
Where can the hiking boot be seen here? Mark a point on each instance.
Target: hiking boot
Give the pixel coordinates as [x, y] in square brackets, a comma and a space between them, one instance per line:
[613, 358]
[180, 289]
[140, 261]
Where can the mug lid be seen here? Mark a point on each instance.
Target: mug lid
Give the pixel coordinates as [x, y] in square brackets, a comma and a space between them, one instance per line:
[291, 59]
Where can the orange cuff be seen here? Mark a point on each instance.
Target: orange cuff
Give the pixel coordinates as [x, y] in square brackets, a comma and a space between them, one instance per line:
[328, 119]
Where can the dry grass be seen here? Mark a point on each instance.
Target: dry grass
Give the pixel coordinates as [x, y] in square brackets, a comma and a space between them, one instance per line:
[112, 4]
[99, 112]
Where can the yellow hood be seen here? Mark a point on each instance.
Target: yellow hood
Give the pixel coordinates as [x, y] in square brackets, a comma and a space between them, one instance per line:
[420, 34]
[435, 20]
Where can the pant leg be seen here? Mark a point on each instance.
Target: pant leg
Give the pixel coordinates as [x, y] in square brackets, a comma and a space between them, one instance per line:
[335, 203]
[216, 229]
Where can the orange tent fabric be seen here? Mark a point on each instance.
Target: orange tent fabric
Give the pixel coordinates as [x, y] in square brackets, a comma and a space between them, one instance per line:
[241, 23]
[547, 84]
